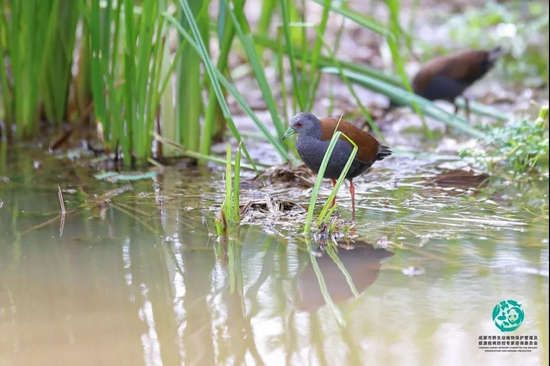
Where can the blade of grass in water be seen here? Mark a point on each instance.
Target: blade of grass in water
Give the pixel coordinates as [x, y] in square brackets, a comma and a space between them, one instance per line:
[227, 206]
[325, 211]
[237, 185]
[319, 179]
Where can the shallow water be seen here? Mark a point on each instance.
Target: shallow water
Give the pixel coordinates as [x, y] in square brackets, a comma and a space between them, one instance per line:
[137, 277]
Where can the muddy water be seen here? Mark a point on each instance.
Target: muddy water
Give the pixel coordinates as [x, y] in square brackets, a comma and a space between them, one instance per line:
[137, 277]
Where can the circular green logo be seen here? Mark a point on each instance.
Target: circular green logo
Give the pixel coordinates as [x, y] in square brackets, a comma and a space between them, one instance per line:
[508, 315]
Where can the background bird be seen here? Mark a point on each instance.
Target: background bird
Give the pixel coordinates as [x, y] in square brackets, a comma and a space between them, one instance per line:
[447, 77]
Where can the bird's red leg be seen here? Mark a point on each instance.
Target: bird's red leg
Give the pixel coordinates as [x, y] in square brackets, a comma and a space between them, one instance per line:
[333, 185]
[352, 193]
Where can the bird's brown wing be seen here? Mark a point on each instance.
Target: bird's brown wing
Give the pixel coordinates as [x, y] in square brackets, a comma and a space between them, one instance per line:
[367, 145]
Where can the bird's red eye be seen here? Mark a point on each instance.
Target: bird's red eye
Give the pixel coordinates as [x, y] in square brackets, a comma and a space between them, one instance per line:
[299, 124]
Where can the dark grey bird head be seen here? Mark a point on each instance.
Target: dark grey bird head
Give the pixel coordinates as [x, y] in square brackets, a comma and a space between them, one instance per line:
[304, 124]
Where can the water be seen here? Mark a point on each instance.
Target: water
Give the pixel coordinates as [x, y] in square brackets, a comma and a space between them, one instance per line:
[137, 276]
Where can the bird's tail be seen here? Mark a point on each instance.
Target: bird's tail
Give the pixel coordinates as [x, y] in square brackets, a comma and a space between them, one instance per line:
[383, 151]
[495, 53]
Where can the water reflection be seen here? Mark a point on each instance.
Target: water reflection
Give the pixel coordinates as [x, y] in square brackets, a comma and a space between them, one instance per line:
[141, 280]
[355, 268]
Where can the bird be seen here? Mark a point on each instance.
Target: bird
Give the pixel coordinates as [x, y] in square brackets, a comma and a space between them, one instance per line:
[313, 136]
[447, 77]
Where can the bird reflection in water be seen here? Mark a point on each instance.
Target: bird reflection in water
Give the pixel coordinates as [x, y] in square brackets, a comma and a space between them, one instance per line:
[360, 259]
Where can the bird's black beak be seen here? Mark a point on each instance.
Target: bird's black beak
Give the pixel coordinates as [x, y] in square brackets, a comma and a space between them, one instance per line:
[288, 132]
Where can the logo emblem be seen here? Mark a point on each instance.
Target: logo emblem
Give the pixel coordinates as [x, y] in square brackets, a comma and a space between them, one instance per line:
[508, 315]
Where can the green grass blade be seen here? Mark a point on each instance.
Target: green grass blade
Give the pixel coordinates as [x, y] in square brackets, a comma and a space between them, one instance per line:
[227, 206]
[319, 179]
[237, 185]
[290, 50]
[325, 61]
[189, 100]
[358, 18]
[325, 211]
[243, 32]
[315, 55]
[226, 34]
[393, 42]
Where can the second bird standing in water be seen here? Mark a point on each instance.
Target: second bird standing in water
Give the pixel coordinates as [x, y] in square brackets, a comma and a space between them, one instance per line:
[313, 138]
[447, 77]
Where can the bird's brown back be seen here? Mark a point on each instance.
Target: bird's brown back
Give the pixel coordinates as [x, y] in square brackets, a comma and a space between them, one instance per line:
[464, 66]
[367, 145]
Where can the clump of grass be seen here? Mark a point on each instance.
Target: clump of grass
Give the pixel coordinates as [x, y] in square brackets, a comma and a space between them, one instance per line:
[519, 149]
[36, 43]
